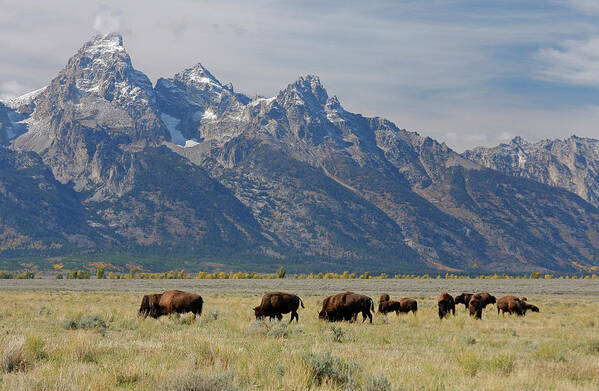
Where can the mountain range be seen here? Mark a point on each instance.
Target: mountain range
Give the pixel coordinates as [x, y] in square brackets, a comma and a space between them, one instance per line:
[104, 165]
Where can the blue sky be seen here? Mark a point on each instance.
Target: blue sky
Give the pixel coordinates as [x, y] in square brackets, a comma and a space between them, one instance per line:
[464, 72]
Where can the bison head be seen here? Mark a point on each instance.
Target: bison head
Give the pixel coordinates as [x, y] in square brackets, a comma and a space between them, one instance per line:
[532, 308]
[259, 312]
[323, 315]
[491, 300]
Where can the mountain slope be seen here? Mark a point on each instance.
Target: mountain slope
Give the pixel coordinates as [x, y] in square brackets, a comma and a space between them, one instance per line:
[409, 178]
[98, 129]
[39, 215]
[572, 164]
[192, 170]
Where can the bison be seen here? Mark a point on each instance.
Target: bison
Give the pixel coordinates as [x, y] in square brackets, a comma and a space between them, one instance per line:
[403, 305]
[169, 302]
[514, 305]
[478, 302]
[346, 306]
[446, 305]
[274, 304]
[464, 298]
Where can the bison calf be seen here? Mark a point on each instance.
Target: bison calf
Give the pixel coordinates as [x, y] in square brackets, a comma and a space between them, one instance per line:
[274, 304]
[404, 305]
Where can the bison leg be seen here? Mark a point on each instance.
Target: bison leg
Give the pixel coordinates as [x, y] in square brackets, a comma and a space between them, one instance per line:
[294, 315]
[279, 317]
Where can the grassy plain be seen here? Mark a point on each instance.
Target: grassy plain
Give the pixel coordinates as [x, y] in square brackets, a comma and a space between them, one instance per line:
[52, 338]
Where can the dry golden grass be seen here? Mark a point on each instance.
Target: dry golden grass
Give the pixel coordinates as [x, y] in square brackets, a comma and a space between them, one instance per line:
[557, 349]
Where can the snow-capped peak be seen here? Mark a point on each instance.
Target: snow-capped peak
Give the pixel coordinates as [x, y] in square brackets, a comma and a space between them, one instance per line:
[199, 76]
[306, 88]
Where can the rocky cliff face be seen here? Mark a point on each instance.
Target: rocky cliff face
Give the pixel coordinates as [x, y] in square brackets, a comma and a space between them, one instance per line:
[572, 164]
[194, 168]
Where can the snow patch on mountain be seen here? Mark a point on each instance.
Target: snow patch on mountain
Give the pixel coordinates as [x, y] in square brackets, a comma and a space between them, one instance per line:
[209, 115]
[176, 136]
[25, 99]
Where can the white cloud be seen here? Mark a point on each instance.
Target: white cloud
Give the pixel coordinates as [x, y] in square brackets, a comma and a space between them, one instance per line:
[576, 62]
[11, 89]
[107, 22]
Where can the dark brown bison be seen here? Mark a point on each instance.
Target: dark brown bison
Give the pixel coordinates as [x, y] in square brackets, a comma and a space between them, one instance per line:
[169, 302]
[355, 303]
[346, 306]
[478, 302]
[404, 305]
[274, 304]
[330, 307]
[464, 298]
[446, 305]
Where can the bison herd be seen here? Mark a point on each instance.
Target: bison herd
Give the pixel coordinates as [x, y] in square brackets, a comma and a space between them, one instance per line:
[339, 307]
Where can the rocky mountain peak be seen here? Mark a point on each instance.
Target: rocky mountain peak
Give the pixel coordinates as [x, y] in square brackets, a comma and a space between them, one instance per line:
[307, 89]
[198, 76]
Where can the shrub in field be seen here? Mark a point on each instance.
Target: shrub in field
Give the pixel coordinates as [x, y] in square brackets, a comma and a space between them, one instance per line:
[278, 330]
[267, 328]
[13, 358]
[380, 383]
[70, 324]
[89, 322]
[324, 367]
[197, 381]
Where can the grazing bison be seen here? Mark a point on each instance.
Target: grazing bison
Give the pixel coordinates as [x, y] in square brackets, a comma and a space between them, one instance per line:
[446, 305]
[169, 302]
[330, 307]
[478, 302]
[274, 304]
[346, 306]
[511, 305]
[403, 305]
[514, 305]
[355, 303]
[464, 298]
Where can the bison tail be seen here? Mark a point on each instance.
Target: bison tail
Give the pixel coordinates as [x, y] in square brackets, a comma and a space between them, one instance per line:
[302, 303]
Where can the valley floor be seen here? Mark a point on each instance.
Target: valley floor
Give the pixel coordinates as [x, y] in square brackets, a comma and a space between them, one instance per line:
[86, 335]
